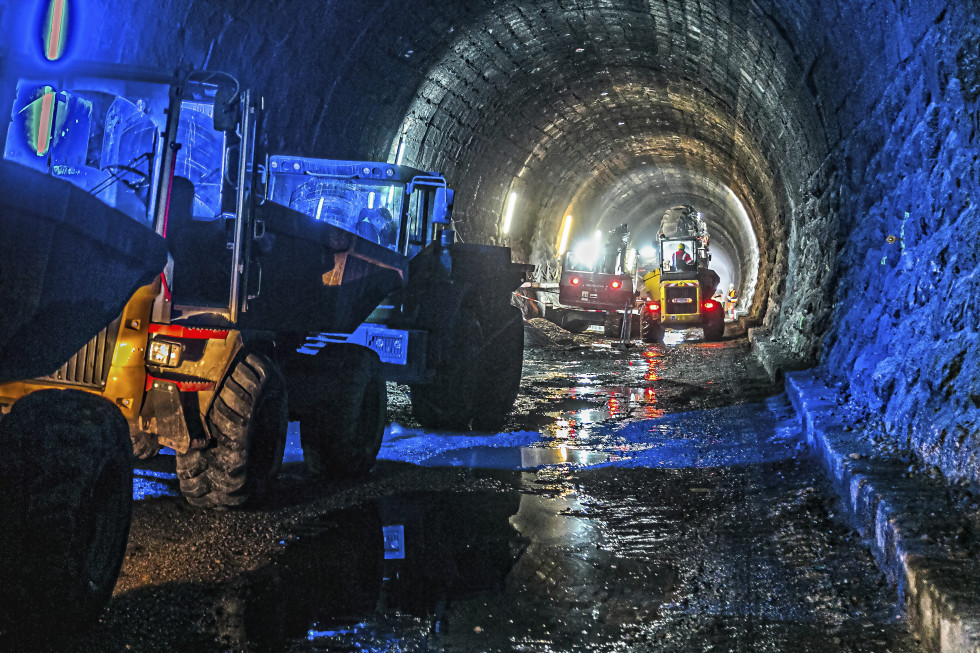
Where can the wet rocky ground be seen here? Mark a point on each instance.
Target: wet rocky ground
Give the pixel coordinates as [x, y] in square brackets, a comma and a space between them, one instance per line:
[639, 499]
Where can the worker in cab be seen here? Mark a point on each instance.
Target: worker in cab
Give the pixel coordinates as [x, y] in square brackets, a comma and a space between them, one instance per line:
[374, 225]
[681, 259]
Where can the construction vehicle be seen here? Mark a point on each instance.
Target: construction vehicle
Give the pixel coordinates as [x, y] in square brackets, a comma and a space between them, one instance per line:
[448, 331]
[679, 290]
[208, 358]
[596, 285]
[68, 264]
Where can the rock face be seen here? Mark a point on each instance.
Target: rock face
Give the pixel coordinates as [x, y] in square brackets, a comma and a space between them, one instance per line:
[847, 130]
[899, 296]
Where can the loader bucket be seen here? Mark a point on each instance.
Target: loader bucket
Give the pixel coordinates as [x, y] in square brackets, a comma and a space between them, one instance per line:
[316, 276]
[68, 265]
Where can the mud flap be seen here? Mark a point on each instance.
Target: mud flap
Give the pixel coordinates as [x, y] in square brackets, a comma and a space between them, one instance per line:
[164, 409]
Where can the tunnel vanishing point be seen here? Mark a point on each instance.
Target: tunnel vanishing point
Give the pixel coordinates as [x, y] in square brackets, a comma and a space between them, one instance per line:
[831, 147]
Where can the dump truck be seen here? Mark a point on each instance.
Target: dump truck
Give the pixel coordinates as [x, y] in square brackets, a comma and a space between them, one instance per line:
[198, 341]
[596, 285]
[679, 290]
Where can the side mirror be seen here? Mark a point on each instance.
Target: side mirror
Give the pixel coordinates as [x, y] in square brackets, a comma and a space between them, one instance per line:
[442, 205]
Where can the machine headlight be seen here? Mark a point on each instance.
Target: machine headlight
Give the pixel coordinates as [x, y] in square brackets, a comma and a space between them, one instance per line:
[164, 353]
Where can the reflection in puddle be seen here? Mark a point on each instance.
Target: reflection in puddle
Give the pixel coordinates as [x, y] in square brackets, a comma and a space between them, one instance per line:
[584, 407]
[337, 582]
[432, 571]
[516, 457]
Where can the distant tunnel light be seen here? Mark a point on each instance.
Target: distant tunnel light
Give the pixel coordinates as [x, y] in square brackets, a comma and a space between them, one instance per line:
[56, 29]
[509, 212]
[565, 229]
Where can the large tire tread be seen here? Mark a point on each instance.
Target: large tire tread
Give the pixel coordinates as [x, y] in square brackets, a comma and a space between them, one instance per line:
[248, 428]
[447, 402]
[341, 439]
[501, 366]
[66, 481]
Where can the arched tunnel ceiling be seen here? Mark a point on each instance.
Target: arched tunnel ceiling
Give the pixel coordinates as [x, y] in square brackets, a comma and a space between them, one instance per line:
[570, 97]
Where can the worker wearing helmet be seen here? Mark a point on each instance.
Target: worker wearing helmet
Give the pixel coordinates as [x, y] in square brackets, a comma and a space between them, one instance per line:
[731, 301]
[681, 259]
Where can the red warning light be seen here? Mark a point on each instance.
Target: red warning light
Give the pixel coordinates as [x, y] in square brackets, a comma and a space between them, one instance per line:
[616, 284]
[653, 307]
[709, 305]
[576, 281]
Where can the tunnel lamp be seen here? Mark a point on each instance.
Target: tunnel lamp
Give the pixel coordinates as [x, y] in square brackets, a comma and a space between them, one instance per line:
[400, 152]
[55, 29]
[565, 229]
[509, 212]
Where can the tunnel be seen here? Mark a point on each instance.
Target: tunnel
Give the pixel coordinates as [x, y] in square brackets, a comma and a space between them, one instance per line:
[831, 148]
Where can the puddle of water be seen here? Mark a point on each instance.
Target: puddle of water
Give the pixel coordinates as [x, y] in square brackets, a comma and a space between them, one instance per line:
[625, 429]
[516, 457]
[427, 571]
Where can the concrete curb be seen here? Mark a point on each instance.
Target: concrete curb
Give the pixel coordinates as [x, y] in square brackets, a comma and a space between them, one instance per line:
[774, 359]
[910, 523]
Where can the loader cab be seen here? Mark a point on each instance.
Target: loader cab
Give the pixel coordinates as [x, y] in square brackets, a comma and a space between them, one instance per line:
[679, 256]
[397, 207]
[204, 206]
[101, 134]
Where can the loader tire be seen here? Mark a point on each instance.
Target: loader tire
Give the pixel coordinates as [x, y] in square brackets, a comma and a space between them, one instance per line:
[573, 325]
[145, 446]
[66, 481]
[248, 422]
[714, 327]
[499, 374]
[612, 326]
[342, 436]
[447, 402]
[651, 331]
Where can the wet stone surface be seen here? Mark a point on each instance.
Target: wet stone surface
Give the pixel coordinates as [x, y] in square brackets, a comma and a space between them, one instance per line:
[643, 499]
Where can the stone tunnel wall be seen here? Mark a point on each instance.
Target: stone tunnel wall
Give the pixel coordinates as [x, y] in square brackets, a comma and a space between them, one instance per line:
[898, 293]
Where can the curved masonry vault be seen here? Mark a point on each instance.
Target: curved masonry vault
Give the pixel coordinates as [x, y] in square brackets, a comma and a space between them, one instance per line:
[806, 133]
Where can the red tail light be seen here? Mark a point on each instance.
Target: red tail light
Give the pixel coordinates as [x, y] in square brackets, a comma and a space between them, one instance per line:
[576, 281]
[653, 307]
[616, 284]
[710, 306]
